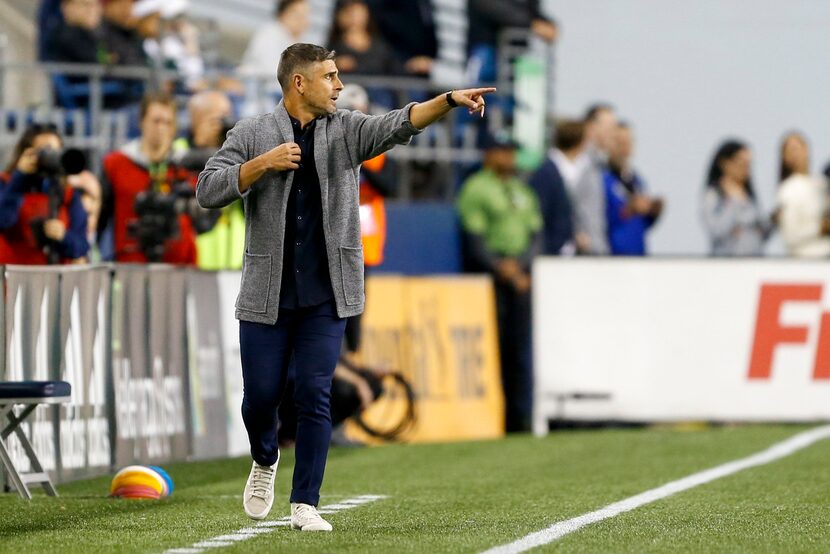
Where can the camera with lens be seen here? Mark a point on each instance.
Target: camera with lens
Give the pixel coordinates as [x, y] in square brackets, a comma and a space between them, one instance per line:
[53, 165]
[158, 217]
[57, 163]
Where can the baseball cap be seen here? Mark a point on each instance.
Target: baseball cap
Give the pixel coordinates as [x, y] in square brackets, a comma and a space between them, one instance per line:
[498, 139]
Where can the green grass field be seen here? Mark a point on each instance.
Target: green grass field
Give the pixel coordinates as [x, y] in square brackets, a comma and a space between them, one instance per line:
[470, 497]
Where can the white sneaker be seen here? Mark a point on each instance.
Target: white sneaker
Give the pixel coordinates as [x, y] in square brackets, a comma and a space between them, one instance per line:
[306, 518]
[259, 490]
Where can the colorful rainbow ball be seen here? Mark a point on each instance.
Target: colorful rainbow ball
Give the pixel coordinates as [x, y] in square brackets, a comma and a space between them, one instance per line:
[147, 482]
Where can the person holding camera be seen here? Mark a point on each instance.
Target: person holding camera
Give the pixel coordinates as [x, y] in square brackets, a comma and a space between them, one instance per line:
[150, 198]
[222, 245]
[43, 220]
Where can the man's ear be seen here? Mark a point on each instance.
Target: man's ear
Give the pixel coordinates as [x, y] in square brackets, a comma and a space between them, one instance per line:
[299, 82]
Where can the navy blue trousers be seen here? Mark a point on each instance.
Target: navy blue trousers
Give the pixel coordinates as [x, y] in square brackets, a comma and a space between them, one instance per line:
[312, 337]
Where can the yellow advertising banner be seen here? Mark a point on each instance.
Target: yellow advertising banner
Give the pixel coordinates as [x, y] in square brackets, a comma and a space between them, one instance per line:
[440, 333]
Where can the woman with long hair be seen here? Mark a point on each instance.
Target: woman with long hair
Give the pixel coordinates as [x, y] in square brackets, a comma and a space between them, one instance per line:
[42, 220]
[359, 46]
[802, 201]
[731, 214]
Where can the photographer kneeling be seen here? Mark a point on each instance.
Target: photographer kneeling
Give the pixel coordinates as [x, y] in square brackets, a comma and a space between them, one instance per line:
[43, 220]
[151, 197]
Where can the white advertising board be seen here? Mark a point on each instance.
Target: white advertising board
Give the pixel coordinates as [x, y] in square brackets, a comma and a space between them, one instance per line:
[228, 289]
[675, 339]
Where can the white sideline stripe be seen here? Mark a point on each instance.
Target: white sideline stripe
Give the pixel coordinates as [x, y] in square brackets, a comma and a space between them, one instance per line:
[265, 527]
[562, 528]
[282, 522]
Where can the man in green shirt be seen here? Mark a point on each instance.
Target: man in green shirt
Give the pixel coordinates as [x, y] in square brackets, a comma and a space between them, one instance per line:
[502, 225]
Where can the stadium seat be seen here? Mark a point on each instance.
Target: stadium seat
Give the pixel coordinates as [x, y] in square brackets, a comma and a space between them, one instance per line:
[28, 395]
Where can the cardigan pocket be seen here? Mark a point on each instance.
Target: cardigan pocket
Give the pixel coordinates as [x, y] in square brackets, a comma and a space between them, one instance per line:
[256, 283]
[351, 269]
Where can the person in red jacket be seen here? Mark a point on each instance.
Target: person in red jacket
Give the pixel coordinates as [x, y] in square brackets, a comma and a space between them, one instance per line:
[143, 171]
[41, 218]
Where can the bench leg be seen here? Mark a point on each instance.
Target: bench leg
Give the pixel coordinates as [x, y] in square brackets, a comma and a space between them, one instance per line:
[37, 475]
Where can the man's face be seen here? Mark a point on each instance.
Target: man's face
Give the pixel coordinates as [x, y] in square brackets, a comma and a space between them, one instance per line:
[296, 19]
[502, 160]
[320, 87]
[158, 128]
[603, 129]
[82, 13]
[149, 26]
[622, 147]
[206, 120]
[120, 12]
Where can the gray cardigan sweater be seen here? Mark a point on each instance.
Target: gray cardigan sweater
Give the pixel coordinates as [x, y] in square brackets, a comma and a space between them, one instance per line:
[342, 141]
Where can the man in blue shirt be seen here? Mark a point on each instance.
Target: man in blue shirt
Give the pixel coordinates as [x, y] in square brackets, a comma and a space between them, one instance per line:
[630, 210]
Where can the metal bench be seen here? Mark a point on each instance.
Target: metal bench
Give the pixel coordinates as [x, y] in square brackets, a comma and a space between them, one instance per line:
[28, 395]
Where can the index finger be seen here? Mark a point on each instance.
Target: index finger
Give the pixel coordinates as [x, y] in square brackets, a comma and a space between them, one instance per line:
[482, 90]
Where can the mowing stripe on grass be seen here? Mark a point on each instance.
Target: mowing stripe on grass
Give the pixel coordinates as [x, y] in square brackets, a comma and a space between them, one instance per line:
[265, 527]
[562, 528]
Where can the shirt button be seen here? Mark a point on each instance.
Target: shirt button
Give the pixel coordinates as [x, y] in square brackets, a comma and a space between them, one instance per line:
[299, 191]
[299, 218]
[298, 270]
[299, 243]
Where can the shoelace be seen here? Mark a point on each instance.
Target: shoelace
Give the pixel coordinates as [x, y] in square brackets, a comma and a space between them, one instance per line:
[307, 511]
[261, 481]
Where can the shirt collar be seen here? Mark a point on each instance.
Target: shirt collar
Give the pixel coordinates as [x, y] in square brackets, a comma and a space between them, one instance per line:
[295, 123]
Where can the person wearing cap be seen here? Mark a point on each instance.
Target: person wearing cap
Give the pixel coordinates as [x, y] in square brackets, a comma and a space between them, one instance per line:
[502, 225]
[297, 171]
[170, 40]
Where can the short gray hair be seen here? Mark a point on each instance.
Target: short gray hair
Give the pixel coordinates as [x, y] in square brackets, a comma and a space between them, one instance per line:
[296, 58]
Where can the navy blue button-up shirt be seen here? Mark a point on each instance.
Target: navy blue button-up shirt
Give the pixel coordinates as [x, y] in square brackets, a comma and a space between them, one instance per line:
[305, 267]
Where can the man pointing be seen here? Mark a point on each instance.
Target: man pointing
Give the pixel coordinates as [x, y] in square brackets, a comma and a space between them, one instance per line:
[297, 172]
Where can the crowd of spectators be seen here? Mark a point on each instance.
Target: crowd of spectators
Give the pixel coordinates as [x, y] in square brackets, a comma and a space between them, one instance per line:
[585, 198]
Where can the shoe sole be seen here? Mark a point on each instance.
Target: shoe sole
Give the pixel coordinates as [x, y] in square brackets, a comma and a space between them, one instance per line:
[309, 529]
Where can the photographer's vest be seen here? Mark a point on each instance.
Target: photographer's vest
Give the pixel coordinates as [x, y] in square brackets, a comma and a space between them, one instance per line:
[223, 247]
[372, 216]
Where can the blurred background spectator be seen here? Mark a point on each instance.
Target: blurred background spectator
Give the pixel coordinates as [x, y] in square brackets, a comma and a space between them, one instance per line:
[502, 224]
[488, 18]
[376, 184]
[588, 193]
[149, 225]
[91, 199]
[211, 117]
[119, 31]
[77, 37]
[549, 183]
[359, 46]
[43, 221]
[290, 24]
[802, 207]
[631, 210]
[731, 214]
[409, 28]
